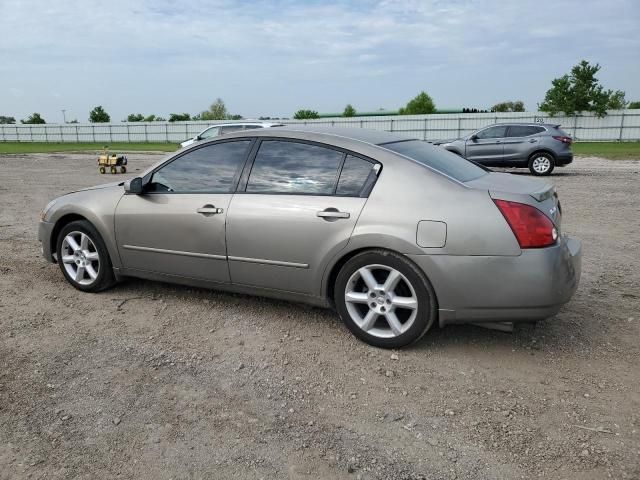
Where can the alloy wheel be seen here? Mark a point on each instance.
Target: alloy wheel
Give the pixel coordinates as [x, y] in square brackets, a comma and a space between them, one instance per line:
[541, 164]
[381, 301]
[80, 258]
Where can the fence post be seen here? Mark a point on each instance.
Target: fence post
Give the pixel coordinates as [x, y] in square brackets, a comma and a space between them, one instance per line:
[575, 126]
[621, 126]
[424, 132]
[459, 119]
[391, 125]
[46, 135]
[93, 133]
[61, 134]
[166, 132]
[77, 136]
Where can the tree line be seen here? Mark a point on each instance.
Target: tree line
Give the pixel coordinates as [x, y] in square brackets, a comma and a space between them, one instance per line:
[575, 92]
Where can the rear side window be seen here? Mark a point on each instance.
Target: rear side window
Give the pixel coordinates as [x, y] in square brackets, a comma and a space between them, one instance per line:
[211, 169]
[524, 130]
[438, 158]
[294, 168]
[231, 128]
[357, 176]
[499, 131]
[251, 127]
[211, 132]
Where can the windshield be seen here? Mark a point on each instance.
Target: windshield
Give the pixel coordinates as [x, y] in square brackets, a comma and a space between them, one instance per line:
[438, 158]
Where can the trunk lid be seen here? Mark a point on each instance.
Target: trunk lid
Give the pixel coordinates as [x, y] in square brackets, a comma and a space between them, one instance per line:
[537, 193]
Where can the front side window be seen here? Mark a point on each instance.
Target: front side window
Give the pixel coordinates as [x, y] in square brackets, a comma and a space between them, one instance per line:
[524, 130]
[356, 177]
[294, 168]
[211, 169]
[211, 132]
[499, 131]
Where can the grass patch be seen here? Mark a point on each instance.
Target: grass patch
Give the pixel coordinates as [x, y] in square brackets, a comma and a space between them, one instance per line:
[52, 147]
[610, 150]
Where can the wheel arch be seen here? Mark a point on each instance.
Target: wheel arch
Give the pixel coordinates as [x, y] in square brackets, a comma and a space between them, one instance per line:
[59, 225]
[542, 150]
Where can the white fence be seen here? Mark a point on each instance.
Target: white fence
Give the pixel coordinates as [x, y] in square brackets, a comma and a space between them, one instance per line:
[619, 125]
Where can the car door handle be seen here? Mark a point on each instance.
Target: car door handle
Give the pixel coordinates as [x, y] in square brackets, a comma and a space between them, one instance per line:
[332, 213]
[533, 140]
[209, 210]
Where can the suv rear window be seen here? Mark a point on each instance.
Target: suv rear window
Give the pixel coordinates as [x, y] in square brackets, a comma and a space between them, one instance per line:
[438, 158]
[524, 130]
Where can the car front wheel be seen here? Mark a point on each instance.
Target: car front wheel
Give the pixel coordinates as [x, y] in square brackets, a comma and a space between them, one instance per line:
[384, 299]
[83, 257]
[541, 164]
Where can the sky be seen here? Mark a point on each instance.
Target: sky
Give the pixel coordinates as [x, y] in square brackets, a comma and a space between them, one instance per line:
[271, 58]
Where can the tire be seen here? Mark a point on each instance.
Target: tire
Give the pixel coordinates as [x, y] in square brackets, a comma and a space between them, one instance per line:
[102, 170]
[366, 311]
[541, 164]
[114, 170]
[123, 169]
[91, 256]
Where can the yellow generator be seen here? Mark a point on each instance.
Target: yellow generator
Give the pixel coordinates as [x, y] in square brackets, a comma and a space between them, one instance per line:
[112, 162]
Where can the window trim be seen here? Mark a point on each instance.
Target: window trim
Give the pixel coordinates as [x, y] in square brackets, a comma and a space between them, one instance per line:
[236, 177]
[246, 173]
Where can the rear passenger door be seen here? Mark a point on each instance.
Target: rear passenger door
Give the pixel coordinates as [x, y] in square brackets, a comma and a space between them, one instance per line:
[519, 142]
[295, 208]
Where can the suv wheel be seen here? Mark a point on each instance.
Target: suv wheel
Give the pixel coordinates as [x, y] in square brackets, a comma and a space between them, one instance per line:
[384, 299]
[541, 164]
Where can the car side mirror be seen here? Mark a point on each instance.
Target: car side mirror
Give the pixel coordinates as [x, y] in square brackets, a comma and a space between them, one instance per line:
[473, 137]
[133, 186]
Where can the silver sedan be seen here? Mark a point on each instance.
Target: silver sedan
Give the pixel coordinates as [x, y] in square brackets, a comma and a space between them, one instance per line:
[393, 233]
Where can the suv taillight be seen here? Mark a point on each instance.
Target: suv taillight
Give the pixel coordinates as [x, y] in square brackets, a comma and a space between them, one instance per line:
[532, 228]
[563, 139]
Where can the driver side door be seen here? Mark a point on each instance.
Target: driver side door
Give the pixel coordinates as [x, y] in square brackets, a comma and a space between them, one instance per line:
[177, 225]
[487, 148]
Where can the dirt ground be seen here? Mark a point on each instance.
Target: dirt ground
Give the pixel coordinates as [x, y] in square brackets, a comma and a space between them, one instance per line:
[154, 381]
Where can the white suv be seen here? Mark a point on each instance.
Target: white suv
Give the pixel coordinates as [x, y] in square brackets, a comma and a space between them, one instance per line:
[223, 128]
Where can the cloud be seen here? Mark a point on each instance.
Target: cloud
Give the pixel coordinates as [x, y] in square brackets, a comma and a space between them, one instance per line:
[272, 57]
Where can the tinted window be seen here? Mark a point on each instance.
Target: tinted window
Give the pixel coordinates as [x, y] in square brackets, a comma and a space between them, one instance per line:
[357, 174]
[498, 131]
[210, 169]
[524, 130]
[251, 127]
[439, 159]
[231, 128]
[211, 132]
[290, 167]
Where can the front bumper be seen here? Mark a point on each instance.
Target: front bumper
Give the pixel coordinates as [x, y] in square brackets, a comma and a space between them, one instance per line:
[45, 230]
[528, 287]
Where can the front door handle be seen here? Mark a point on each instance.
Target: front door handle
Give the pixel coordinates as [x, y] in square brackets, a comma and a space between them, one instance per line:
[209, 210]
[533, 140]
[332, 214]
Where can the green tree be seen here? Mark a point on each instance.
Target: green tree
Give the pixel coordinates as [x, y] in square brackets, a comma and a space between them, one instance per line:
[349, 111]
[99, 115]
[517, 106]
[306, 115]
[135, 117]
[33, 119]
[179, 117]
[7, 120]
[422, 103]
[217, 111]
[580, 91]
[631, 105]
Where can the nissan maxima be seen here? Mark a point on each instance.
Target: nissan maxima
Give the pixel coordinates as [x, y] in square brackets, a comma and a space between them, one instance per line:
[393, 233]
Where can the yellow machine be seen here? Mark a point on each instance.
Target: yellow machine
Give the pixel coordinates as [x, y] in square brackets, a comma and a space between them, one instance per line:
[111, 161]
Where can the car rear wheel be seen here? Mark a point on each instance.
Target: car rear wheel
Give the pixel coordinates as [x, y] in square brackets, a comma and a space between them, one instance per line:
[83, 257]
[541, 164]
[384, 299]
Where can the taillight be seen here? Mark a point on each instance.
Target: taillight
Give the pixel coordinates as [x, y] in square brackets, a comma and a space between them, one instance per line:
[532, 228]
[564, 139]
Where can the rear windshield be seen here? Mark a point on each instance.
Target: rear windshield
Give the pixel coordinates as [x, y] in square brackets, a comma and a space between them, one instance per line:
[438, 158]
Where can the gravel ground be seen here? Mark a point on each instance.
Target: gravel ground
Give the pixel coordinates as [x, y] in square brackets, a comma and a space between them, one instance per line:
[154, 381]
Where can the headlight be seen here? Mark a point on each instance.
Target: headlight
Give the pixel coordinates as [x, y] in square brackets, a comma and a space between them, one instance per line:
[44, 211]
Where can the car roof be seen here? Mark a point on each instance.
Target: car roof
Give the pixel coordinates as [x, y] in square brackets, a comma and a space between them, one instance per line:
[375, 137]
[526, 124]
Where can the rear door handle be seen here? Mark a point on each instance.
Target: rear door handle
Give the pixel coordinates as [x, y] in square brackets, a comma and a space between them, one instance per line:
[332, 213]
[533, 140]
[209, 210]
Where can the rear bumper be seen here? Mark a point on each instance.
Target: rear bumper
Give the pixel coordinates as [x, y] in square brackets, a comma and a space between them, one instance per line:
[44, 236]
[528, 287]
[564, 159]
